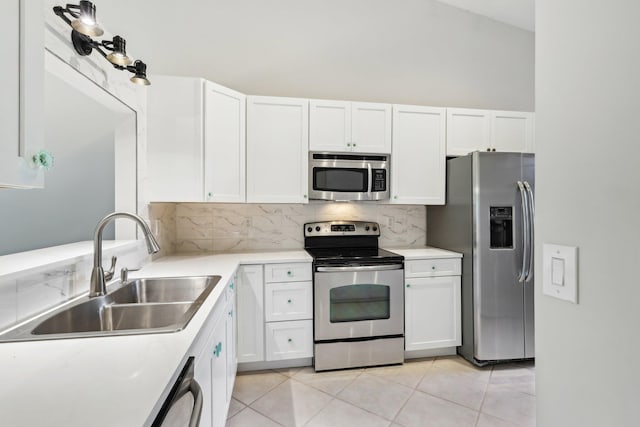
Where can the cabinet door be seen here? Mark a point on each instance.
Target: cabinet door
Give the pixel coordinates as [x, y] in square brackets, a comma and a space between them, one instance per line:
[371, 127]
[418, 157]
[329, 125]
[512, 131]
[202, 375]
[224, 144]
[432, 313]
[22, 93]
[467, 130]
[250, 310]
[175, 142]
[277, 150]
[232, 360]
[218, 354]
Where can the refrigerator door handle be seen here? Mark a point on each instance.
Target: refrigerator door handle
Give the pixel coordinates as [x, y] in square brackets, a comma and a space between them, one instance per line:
[531, 229]
[525, 232]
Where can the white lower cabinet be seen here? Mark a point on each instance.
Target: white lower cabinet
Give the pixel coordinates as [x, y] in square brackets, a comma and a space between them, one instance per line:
[432, 304]
[232, 339]
[250, 294]
[288, 301]
[215, 363]
[275, 312]
[289, 340]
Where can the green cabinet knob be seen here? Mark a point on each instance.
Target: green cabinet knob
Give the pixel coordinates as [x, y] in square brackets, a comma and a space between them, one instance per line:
[289, 273]
[408, 285]
[289, 301]
[433, 267]
[231, 285]
[289, 340]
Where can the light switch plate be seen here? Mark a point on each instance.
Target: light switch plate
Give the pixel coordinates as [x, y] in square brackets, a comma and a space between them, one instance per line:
[560, 272]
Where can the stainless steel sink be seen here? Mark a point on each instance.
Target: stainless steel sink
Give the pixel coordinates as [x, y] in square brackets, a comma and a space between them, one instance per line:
[141, 306]
[177, 289]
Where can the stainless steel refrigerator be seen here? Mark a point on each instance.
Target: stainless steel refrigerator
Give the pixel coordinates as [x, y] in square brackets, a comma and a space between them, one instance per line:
[488, 217]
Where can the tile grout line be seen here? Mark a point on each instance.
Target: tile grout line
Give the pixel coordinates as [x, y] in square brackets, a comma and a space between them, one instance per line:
[484, 395]
[300, 382]
[260, 396]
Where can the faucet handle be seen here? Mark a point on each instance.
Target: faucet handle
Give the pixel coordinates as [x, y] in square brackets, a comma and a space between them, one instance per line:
[108, 275]
[124, 274]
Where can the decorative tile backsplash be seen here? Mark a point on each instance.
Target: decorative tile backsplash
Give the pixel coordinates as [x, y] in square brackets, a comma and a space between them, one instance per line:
[225, 227]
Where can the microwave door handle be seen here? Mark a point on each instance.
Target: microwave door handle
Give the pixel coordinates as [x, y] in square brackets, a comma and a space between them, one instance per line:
[370, 179]
[531, 229]
[525, 232]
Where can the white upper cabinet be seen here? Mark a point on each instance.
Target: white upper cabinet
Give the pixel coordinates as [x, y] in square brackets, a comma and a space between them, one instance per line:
[277, 150]
[343, 126]
[467, 130]
[224, 144]
[175, 139]
[486, 130]
[329, 125]
[418, 159]
[512, 131]
[196, 141]
[21, 93]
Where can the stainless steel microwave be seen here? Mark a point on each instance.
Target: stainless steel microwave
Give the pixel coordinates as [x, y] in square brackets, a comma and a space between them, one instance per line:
[341, 176]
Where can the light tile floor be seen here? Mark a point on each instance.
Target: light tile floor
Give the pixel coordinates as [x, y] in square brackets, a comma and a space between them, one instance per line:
[441, 392]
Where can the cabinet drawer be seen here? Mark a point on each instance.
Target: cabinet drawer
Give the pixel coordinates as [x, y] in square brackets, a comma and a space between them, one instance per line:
[288, 301]
[290, 272]
[289, 340]
[432, 267]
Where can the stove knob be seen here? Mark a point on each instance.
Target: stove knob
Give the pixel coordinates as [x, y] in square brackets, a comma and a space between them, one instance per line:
[366, 228]
[375, 228]
[309, 229]
[318, 228]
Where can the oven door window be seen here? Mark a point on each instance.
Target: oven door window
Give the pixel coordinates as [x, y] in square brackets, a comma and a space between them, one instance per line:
[352, 303]
[349, 180]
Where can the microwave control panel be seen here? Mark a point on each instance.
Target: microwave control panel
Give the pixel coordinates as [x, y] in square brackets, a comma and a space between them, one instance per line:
[379, 180]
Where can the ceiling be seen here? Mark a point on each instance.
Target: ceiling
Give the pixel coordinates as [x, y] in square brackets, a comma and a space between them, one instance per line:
[519, 13]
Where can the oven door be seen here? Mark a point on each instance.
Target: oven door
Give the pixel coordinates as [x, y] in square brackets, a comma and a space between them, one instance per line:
[358, 301]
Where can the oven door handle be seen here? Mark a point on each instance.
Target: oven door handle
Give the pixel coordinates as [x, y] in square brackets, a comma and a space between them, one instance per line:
[362, 268]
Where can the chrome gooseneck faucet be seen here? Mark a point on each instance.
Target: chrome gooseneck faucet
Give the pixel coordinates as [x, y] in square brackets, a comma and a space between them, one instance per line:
[98, 282]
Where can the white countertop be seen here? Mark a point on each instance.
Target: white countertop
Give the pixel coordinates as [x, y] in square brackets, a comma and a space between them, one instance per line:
[111, 381]
[426, 252]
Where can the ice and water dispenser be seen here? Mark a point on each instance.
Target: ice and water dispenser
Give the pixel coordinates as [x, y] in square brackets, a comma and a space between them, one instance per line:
[501, 220]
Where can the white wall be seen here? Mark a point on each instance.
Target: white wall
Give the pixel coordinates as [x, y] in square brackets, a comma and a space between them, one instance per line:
[404, 51]
[587, 109]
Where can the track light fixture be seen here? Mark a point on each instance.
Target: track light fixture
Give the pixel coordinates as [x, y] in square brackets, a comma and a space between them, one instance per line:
[84, 26]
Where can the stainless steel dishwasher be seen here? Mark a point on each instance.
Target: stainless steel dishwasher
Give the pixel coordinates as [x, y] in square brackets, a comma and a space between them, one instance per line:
[183, 406]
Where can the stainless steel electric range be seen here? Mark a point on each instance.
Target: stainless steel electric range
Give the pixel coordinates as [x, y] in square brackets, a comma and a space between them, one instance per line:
[358, 296]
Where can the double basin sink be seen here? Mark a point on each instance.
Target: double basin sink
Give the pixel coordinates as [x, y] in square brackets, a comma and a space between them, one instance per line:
[139, 306]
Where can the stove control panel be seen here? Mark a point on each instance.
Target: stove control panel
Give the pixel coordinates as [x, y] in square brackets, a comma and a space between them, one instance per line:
[341, 228]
